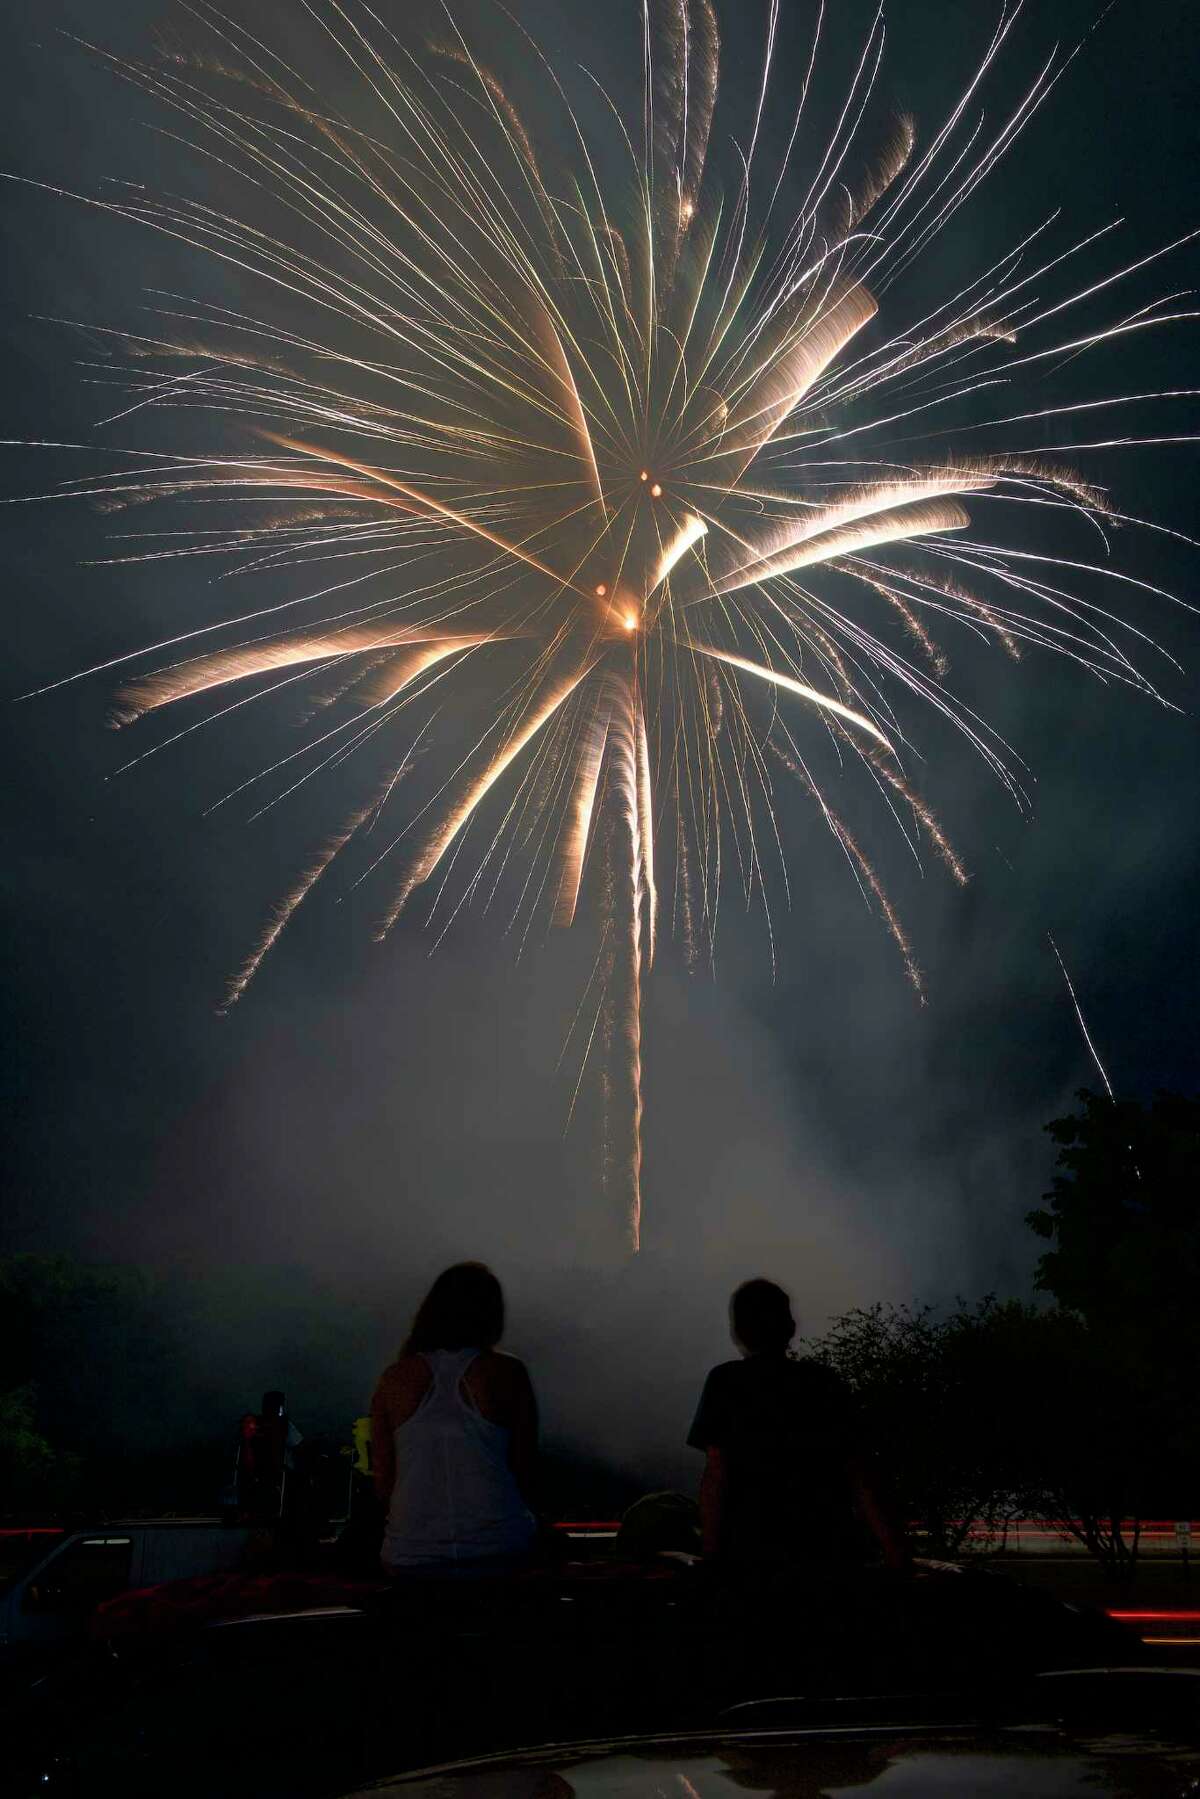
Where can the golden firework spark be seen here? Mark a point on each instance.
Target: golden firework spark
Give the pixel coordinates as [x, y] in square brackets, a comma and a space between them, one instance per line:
[645, 452]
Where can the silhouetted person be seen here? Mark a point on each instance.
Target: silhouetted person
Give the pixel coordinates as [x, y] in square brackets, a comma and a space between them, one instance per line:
[263, 1460]
[783, 1481]
[455, 1435]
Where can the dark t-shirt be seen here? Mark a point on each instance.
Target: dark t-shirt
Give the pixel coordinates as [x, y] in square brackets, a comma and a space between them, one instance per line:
[786, 1430]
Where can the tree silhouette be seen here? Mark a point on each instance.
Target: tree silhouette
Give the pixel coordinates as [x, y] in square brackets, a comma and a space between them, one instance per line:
[1123, 1217]
[1123, 1221]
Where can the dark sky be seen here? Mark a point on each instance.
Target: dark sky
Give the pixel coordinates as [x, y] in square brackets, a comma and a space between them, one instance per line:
[370, 1112]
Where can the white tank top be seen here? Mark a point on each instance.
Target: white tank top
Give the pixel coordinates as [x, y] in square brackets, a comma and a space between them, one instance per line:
[455, 1498]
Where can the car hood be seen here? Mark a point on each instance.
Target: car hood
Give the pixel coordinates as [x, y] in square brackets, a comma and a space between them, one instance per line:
[941, 1765]
[897, 1761]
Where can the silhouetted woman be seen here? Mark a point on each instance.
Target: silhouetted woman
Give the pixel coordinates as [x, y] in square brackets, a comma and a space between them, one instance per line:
[455, 1435]
[783, 1480]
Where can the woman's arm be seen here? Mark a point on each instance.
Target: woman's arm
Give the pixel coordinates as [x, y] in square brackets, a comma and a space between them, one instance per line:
[523, 1434]
[713, 1486]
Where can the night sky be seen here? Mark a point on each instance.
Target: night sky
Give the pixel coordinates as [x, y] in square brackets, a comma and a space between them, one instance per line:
[371, 1112]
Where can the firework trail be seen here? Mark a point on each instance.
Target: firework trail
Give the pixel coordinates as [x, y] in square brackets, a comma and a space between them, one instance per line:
[869, 879]
[287, 906]
[629, 895]
[648, 441]
[1093, 1052]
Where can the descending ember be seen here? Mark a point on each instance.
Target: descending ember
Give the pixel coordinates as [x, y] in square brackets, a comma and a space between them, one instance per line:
[641, 449]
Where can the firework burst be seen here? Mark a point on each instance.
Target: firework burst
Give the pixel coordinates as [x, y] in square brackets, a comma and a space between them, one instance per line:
[634, 438]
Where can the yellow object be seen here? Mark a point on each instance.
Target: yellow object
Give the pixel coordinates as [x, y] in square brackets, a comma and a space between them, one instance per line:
[361, 1434]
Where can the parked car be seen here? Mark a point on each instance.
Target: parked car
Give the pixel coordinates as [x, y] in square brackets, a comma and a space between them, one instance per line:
[56, 1585]
[1119, 1734]
[309, 1702]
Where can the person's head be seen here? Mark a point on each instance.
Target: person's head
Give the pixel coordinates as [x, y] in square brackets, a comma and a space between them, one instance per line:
[464, 1309]
[760, 1318]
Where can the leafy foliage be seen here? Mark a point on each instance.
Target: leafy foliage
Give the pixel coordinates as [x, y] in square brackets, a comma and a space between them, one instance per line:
[31, 1471]
[1123, 1217]
[929, 1390]
[1084, 1411]
[92, 1360]
[1123, 1221]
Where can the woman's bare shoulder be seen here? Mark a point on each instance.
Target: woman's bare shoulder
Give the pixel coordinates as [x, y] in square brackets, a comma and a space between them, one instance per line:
[503, 1373]
[404, 1378]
